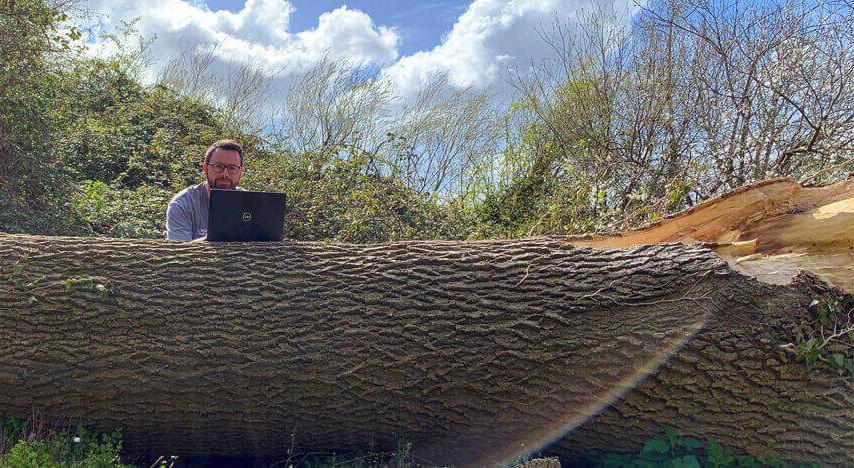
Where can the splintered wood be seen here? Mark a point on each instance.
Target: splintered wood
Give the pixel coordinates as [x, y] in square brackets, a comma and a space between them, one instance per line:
[769, 231]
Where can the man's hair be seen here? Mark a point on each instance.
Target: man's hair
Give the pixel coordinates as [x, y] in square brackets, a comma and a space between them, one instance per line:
[227, 144]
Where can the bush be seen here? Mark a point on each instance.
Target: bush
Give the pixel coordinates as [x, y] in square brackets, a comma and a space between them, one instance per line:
[346, 201]
[23, 444]
[104, 210]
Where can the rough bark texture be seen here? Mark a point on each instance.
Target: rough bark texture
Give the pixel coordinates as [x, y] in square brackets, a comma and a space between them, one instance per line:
[473, 351]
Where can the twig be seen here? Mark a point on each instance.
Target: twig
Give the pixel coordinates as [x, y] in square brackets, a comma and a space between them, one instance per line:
[527, 270]
[836, 334]
[828, 169]
[596, 293]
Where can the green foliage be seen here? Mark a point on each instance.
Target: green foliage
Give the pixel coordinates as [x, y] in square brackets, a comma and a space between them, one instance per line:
[109, 156]
[18, 279]
[24, 444]
[33, 46]
[824, 309]
[121, 212]
[343, 199]
[828, 340]
[677, 451]
[86, 149]
[543, 186]
[87, 284]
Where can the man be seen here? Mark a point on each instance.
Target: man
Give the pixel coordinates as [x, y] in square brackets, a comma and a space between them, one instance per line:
[187, 213]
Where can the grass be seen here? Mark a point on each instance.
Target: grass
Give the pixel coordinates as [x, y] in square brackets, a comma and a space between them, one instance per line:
[29, 443]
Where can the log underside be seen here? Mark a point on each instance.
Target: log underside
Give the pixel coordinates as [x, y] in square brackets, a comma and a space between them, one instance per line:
[475, 352]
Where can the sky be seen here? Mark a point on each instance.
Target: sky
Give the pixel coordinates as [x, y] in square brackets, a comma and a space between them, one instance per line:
[475, 42]
[420, 24]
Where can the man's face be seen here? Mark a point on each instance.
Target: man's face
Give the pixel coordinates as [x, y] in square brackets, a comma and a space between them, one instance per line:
[219, 169]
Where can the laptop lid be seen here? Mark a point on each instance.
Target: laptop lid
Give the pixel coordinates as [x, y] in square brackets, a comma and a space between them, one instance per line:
[237, 215]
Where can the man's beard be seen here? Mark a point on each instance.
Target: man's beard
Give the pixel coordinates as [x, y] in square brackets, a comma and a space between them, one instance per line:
[221, 183]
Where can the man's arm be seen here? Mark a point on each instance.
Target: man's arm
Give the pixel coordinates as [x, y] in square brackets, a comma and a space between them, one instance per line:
[178, 225]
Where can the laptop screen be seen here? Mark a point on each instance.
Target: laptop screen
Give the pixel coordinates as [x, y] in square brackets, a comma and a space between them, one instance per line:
[237, 215]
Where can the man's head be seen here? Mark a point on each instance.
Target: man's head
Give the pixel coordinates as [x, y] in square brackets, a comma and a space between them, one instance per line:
[223, 164]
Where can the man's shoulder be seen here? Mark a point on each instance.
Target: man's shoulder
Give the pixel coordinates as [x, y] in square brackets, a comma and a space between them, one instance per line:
[187, 193]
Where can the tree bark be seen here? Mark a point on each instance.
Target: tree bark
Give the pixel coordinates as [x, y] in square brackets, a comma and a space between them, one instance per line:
[474, 352]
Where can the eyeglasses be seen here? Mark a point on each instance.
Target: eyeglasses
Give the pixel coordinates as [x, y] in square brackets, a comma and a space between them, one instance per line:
[232, 169]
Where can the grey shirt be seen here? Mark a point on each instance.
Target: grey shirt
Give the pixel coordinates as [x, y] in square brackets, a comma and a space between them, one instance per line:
[187, 213]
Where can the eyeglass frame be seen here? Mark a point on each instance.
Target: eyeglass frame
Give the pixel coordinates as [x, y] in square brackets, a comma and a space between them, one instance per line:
[225, 167]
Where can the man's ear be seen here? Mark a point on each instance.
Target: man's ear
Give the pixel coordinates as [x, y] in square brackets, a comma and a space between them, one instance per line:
[204, 167]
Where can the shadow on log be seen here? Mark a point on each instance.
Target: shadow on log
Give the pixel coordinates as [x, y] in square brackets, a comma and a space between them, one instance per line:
[475, 352]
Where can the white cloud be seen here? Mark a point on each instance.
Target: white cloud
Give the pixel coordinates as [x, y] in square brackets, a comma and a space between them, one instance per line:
[490, 37]
[257, 33]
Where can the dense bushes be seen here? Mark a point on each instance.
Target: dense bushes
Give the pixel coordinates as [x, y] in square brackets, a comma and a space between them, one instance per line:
[606, 141]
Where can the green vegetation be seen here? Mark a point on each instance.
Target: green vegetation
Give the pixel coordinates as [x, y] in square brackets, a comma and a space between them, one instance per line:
[827, 341]
[27, 444]
[24, 444]
[677, 451]
[590, 144]
[401, 457]
[87, 284]
[610, 142]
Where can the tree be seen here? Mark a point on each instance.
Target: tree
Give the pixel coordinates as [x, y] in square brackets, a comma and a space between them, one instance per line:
[436, 141]
[237, 91]
[475, 352]
[32, 45]
[690, 100]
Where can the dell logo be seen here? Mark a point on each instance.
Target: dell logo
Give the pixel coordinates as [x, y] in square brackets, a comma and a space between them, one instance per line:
[247, 216]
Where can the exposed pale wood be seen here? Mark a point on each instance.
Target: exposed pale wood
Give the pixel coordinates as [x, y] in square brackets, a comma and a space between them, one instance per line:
[769, 230]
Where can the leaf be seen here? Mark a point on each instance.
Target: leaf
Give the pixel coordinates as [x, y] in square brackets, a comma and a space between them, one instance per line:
[690, 461]
[613, 460]
[747, 461]
[654, 446]
[672, 436]
[674, 463]
[644, 464]
[690, 443]
[714, 452]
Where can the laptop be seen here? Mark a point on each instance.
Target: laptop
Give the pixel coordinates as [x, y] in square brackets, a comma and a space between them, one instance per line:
[240, 216]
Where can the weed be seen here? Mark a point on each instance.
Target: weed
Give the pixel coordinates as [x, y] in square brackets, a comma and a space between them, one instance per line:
[401, 457]
[677, 451]
[28, 442]
[87, 284]
[829, 340]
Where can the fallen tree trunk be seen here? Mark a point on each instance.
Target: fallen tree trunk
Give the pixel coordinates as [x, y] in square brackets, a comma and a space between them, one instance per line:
[472, 351]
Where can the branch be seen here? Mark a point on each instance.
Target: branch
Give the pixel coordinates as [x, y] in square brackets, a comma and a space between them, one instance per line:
[827, 169]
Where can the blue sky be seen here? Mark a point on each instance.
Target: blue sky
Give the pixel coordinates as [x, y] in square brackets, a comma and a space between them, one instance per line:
[421, 24]
[474, 42]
